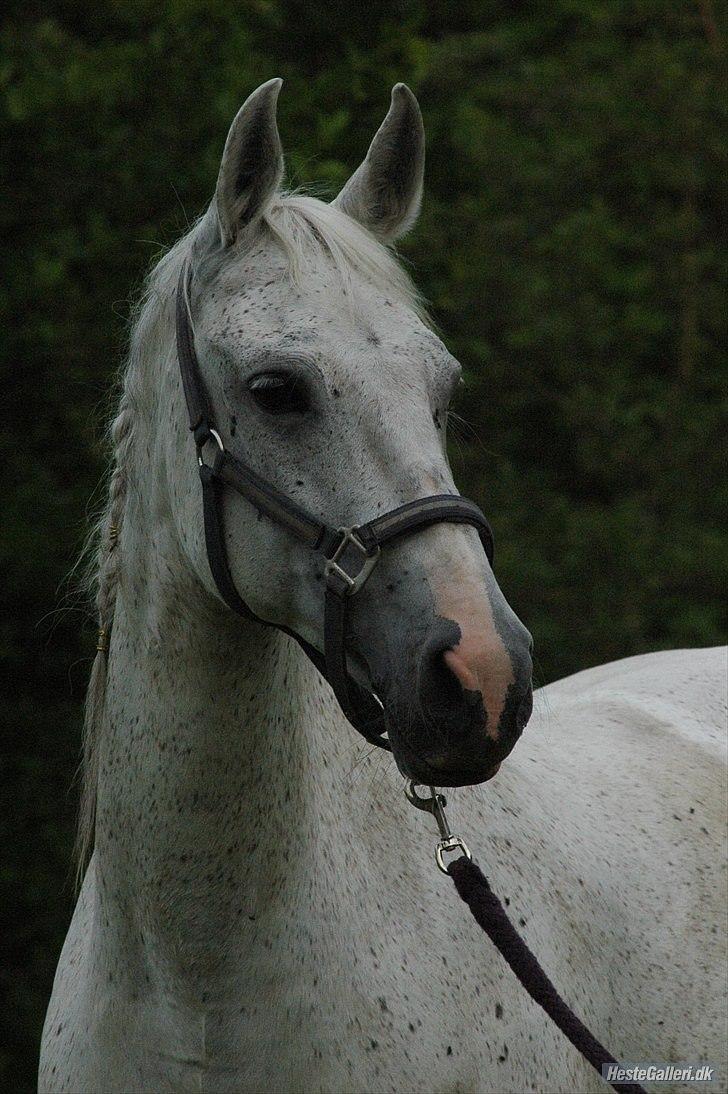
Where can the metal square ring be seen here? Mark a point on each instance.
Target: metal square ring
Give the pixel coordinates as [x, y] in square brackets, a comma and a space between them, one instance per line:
[356, 581]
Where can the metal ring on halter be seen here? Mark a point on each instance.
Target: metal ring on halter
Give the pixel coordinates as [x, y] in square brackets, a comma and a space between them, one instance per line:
[216, 436]
[353, 582]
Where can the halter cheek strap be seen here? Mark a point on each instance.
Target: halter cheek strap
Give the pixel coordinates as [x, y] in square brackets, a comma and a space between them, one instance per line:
[349, 555]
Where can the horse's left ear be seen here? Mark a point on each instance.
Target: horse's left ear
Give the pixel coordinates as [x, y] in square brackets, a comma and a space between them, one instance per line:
[384, 193]
[252, 163]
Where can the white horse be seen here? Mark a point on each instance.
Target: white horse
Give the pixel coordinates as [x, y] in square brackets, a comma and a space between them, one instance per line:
[261, 911]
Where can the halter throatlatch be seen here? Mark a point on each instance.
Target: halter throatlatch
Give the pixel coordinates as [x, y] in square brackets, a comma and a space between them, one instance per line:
[349, 554]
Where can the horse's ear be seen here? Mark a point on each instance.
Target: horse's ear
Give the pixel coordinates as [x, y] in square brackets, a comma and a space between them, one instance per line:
[384, 193]
[252, 163]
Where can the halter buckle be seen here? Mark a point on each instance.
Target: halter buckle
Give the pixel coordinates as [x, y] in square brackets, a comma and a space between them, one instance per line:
[353, 582]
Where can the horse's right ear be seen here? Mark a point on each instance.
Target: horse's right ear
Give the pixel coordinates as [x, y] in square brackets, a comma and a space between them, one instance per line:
[252, 163]
[385, 191]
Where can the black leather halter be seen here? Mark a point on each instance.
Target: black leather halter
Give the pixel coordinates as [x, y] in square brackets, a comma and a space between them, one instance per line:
[348, 554]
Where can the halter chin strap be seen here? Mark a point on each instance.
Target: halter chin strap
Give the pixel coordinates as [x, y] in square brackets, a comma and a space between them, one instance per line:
[349, 554]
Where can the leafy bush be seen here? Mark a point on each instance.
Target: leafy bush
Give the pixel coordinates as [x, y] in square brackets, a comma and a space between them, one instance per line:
[571, 249]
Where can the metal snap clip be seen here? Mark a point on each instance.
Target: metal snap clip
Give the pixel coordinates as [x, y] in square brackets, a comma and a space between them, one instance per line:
[435, 804]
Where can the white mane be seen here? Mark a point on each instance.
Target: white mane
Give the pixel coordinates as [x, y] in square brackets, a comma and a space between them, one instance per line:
[308, 231]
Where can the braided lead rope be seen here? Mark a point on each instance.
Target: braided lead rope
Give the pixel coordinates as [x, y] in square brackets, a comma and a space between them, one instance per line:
[488, 912]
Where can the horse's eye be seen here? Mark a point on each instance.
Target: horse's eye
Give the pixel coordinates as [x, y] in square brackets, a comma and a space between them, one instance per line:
[280, 393]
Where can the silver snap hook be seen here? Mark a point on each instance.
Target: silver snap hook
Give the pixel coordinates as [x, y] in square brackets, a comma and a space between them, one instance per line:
[435, 804]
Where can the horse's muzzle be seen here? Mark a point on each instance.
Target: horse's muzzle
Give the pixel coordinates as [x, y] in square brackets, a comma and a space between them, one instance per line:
[470, 703]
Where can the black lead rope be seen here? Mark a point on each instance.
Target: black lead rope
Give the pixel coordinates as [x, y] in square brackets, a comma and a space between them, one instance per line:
[488, 912]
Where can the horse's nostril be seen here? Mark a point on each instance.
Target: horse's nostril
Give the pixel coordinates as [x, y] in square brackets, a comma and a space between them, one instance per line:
[441, 684]
[447, 692]
[461, 670]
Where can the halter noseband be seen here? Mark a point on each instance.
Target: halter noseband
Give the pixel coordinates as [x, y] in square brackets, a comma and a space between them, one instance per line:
[349, 554]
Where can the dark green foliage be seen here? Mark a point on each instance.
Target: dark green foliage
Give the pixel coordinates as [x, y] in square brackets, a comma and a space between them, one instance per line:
[571, 249]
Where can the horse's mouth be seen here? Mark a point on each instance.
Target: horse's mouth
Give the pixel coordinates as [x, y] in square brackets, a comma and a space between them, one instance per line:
[463, 777]
[436, 773]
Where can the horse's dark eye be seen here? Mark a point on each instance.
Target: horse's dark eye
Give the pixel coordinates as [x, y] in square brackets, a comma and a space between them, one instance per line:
[280, 393]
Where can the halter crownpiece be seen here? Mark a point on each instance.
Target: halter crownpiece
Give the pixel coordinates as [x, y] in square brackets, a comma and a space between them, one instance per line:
[350, 554]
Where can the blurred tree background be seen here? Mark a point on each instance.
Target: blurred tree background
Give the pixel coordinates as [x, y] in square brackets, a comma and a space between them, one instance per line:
[570, 247]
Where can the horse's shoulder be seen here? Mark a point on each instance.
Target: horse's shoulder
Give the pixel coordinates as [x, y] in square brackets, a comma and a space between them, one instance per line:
[75, 949]
[64, 1020]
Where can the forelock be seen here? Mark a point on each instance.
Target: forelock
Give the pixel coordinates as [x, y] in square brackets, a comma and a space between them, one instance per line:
[309, 230]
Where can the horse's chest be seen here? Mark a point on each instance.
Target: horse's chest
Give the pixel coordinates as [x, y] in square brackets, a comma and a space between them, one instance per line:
[312, 1015]
[325, 1003]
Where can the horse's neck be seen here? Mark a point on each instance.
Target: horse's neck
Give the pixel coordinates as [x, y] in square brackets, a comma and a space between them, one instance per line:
[223, 765]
